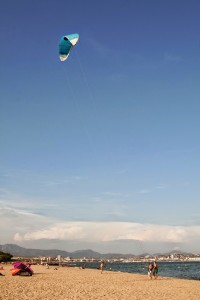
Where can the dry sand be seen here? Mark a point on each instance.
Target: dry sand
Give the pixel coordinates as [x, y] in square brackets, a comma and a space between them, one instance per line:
[74, 283]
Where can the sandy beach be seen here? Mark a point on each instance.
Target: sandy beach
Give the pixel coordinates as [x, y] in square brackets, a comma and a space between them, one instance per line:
[74, 283]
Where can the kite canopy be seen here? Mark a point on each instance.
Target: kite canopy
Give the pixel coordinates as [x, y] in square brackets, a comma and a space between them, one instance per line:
[66, 44]
[20, 268]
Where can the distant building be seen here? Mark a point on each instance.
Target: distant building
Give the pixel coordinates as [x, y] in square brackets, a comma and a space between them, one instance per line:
[59, 258]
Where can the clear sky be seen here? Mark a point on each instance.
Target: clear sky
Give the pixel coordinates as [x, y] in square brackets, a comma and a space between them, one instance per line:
[101, 151]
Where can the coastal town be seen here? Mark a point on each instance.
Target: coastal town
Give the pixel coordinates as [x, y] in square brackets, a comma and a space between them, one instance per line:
[70, 261]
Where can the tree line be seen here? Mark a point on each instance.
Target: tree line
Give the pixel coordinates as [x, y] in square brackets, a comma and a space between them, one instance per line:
[5, 257]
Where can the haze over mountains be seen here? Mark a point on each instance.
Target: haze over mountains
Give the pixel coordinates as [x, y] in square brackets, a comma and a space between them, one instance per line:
[16, 250]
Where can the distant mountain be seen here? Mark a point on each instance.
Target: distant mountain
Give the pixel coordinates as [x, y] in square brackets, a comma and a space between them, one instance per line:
[16, 250]
[178, 252]
[85, 253]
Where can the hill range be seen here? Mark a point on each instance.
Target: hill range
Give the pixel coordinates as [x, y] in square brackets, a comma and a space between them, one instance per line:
[18, 251]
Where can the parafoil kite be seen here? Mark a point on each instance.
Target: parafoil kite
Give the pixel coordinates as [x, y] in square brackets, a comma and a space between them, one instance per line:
[66, 44]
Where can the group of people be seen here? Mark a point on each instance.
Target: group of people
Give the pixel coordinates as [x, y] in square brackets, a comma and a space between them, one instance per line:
[153, 270]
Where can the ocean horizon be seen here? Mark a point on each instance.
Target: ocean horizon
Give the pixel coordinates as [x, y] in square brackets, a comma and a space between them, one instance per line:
[180, 269]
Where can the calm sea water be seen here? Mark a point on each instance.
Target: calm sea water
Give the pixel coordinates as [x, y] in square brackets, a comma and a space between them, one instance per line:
[187, 270]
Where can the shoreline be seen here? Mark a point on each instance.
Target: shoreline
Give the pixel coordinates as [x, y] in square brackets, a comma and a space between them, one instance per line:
[164, 271]
[89, 284]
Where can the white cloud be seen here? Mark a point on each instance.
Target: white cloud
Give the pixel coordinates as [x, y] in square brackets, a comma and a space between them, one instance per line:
[57, 231]
[11, 199]
[20, 225]
[150, 190]
[110, 231]
[14, 220]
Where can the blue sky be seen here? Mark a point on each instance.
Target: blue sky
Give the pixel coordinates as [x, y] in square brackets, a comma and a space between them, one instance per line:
[102, 150]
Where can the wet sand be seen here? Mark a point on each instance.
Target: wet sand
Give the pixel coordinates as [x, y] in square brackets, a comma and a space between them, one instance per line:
[74, 283]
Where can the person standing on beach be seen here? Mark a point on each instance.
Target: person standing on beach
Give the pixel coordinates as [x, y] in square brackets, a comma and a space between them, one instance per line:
[155, 270]
[150, 270]
[101, 266]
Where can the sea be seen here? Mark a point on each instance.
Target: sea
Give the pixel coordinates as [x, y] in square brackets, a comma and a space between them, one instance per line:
[182, 270]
